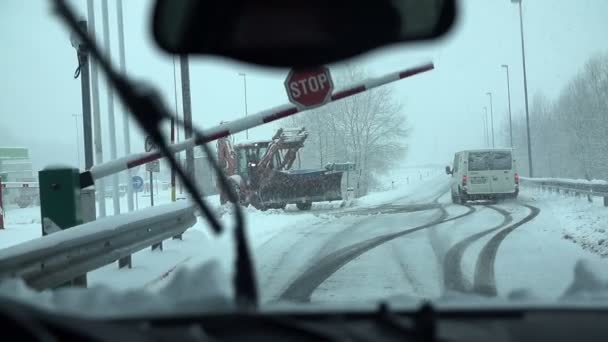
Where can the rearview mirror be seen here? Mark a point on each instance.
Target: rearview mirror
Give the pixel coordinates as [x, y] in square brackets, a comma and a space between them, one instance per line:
[286, 33]
[448, 170]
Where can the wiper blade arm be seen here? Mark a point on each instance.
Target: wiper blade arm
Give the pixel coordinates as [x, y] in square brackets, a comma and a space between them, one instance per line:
[424, 322]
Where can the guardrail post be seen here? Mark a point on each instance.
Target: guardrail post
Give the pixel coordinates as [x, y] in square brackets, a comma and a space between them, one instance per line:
[157, 246]
[589, 198]
[60, 204]
[605, 201]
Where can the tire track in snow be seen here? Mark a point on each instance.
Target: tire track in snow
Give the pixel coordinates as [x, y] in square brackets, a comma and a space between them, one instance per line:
[453, 277]
[280, 265]
[439, 244]
[484, 280]
[304, 285]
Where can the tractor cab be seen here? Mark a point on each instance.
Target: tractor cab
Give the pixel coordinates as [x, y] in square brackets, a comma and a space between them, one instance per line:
[249, 155]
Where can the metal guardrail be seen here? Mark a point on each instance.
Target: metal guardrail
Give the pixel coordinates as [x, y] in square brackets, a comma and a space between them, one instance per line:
[58, 258]
[577, 187]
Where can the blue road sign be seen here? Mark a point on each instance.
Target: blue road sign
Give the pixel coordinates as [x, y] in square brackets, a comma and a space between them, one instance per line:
[137, 183]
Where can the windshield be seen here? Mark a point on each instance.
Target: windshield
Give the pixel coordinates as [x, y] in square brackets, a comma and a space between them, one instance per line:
[483, 161]
[364, 210]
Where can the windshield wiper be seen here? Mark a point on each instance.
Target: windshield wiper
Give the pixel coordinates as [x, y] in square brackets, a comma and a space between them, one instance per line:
[423, 326]
[148, 109]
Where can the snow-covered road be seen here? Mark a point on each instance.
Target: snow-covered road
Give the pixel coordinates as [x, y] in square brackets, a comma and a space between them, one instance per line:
[425, 247]
[410, 241]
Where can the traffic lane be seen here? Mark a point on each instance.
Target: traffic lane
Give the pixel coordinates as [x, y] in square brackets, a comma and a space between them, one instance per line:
[411, 265]
[536, 257]
[293, 251]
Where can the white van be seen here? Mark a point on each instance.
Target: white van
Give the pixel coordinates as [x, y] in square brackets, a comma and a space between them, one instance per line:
[486, 174]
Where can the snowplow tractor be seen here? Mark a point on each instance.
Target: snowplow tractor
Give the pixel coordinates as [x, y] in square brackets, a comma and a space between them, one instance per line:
[301, 187]
[260, 172]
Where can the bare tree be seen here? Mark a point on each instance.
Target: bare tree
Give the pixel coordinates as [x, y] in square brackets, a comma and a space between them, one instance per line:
[369, 129]
[568, 134]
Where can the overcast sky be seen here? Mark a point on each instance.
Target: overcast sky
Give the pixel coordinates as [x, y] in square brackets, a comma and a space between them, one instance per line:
[39, 97]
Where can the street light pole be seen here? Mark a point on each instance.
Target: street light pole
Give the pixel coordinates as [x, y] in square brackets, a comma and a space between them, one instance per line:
[77, 138]
[187, 110]
[126, 125]
[491, 117]
[523, 58]
[85, 84]
[110, 108]
[245, 89]
[100, 187]
[485, 122]
[509, 99]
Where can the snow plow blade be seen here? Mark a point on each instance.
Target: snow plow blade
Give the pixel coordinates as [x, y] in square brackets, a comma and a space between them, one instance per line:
[302, 186]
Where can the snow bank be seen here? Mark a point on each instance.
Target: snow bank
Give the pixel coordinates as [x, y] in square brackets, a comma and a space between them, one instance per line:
[583, 223]
[566, 180]
[204, 288]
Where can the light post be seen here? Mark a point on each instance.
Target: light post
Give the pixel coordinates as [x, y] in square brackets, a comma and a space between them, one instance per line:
[245, 91]
[85, 83]
[485, 126]
[77, 138]
[523, 58]
[491, 117]
[506, 67]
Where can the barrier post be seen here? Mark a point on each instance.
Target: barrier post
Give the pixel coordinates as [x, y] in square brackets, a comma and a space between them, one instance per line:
[60, 204]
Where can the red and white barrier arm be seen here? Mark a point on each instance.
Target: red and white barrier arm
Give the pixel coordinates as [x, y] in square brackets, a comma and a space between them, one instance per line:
[88, 178]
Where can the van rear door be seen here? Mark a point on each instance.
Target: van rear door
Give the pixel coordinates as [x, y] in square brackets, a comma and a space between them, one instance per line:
[478, 181]
[501, 173]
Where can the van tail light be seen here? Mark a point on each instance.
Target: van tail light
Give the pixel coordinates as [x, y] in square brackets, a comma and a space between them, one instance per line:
[464, 180]
[516, 176]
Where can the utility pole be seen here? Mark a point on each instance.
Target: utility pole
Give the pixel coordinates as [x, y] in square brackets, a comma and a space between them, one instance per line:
[178, 156]
[509, 99]
[491, 118]
[111, 119]
[187, 108]
[125, 118]
[245, 89]
[523, 59]
[100, 184]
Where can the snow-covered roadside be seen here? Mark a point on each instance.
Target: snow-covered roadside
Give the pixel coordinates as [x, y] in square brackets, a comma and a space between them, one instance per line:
[583, 223]
[20, 225]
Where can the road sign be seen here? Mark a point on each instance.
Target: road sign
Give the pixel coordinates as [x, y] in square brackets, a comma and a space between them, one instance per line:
[137, 183]
[153, 166]
[309, 88]
[150, 144]
[340, 166]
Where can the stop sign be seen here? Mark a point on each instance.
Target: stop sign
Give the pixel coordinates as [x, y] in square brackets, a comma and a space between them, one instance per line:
[309, 88]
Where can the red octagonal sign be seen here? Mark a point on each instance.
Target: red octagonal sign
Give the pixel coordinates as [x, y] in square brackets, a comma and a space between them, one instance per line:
[309, 88]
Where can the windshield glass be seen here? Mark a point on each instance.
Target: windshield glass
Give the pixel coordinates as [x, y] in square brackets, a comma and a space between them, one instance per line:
[483, 161]
[364, 210]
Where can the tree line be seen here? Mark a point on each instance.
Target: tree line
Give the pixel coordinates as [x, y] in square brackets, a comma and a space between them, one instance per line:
[568, 134]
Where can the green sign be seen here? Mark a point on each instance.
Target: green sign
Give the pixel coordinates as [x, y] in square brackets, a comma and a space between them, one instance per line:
[8, 153]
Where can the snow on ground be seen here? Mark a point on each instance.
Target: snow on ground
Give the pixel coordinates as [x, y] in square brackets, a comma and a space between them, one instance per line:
[402, 182]
[20, 225]
[581, 222]
[285, 243]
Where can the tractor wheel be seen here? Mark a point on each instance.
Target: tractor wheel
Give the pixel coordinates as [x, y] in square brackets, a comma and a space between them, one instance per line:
[304, 205]
[237, 191]
[454, 198]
